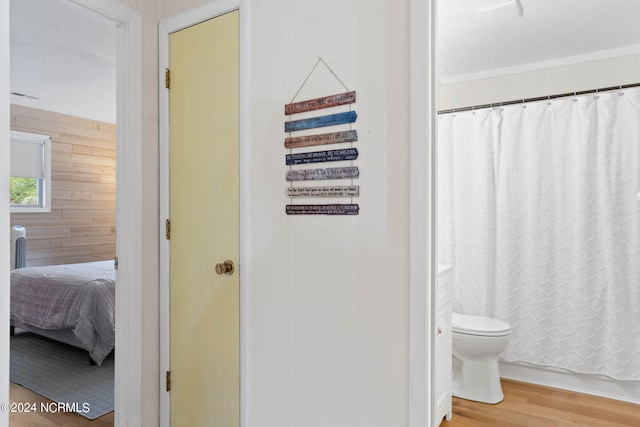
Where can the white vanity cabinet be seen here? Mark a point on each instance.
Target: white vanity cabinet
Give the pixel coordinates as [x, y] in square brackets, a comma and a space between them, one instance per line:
[442, 331]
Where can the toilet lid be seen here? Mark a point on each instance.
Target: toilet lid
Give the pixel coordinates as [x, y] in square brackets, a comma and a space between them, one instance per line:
[479, 325]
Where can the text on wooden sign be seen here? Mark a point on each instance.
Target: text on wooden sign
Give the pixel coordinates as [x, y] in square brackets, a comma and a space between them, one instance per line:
[321, 156]
[321, 139]
[326, 173]
[333, 191]
[336, 209]
[322, 121]
[318, 103]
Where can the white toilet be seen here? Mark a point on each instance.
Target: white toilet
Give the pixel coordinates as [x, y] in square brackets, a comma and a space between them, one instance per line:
[477, 341]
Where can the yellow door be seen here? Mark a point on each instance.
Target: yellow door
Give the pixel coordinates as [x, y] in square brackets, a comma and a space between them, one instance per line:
[204, 211]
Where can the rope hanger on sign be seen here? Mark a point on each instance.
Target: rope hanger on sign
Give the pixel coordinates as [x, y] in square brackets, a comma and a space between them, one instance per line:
[320, 60]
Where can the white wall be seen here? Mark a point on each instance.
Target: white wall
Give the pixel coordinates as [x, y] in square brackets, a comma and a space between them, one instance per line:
[589, 75]
[4, 207]
[328, 297]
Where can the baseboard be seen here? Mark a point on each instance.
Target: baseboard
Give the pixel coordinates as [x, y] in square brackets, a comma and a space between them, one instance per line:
[627, 391]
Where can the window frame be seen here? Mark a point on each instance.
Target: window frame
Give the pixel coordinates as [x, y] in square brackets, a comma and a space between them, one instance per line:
[44, 185]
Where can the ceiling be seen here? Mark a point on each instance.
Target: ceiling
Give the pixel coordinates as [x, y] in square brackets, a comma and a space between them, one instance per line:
[548, 30]
[65, 57]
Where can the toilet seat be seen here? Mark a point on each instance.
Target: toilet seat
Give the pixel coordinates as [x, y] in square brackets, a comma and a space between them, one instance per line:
[479, 325]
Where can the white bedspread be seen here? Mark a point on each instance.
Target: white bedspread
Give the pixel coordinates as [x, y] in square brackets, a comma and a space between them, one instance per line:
[80, 297]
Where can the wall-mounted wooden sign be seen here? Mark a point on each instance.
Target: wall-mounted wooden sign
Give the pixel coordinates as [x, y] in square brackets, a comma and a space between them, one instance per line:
[337, 209]
[322, 121]
[320, 174]
[333, 191]
[321, 156]
[318, 103]
[321, 139]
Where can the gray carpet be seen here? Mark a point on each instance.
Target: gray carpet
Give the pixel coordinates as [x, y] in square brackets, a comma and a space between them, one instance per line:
[62, 373]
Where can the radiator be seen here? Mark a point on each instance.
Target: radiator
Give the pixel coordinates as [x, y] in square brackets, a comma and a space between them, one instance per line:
[18, 247]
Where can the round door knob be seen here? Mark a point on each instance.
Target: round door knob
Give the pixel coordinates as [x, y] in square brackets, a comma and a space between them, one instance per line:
[225, 268]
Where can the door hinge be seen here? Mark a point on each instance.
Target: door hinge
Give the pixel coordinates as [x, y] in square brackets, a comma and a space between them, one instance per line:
[115, 263]
[168, 381]
[167, 79]
[167, 230]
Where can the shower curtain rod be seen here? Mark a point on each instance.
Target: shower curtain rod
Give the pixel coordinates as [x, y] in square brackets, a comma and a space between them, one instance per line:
[539, 98]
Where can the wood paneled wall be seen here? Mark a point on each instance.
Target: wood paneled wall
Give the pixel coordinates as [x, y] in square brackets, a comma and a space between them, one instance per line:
[82, 224]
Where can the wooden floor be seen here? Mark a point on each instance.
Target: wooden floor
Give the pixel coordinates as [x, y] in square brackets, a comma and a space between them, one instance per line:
[533, 406]
[20, 394]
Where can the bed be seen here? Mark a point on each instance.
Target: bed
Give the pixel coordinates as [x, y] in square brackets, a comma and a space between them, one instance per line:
[71, 303]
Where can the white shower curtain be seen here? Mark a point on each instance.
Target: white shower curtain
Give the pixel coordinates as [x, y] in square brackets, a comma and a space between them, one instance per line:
[539, 216]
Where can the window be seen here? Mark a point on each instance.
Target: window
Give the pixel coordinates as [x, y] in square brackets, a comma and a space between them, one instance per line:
[30, 182]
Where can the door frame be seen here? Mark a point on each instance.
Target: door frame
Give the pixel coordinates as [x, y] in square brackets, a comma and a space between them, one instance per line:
[422, 211]
[128, 364]
[5, 114]
[166, 27]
